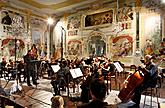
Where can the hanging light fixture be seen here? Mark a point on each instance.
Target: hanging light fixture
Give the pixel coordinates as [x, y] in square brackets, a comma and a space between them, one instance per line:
[163, 1]
[50, 21]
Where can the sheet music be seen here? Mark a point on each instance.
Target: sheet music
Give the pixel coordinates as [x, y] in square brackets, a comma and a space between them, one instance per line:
[118, 67]
[55, 68]
[76, 73]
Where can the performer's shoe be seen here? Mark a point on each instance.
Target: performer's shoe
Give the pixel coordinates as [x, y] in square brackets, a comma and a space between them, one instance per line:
[35, 83]
[29, 84]
[134, 106]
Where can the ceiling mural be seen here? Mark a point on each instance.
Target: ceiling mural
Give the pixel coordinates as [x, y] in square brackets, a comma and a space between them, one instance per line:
[51, 7]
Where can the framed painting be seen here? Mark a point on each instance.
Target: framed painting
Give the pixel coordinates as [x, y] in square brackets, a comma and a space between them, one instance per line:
[105, 17]
[74, 47]
[122, 46]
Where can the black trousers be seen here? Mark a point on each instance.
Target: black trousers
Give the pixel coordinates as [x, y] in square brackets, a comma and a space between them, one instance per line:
[31, 73]
[57, 84]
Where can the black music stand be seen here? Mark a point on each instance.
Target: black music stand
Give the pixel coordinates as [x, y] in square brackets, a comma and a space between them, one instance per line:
[76, 73]
[16, 87]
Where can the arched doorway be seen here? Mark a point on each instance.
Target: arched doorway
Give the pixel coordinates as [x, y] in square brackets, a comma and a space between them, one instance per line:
[96, 44]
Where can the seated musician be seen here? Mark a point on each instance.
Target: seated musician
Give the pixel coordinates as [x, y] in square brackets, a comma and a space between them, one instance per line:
[10, 67]
[85, 92]
[108, 68]
[61, 78]
[150, 79]
[98, 93]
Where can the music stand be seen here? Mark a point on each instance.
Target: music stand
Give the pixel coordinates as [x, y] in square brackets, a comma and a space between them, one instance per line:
[55, 68]
[118, 67]
[76, 73]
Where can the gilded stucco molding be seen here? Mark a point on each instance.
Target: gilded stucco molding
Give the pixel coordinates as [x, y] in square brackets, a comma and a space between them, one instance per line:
[52, 6]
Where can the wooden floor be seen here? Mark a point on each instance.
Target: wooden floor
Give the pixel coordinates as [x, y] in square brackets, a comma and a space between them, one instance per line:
[39, 96]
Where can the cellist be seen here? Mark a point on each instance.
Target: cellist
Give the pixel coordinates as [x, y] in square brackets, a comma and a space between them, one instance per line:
[150, 79]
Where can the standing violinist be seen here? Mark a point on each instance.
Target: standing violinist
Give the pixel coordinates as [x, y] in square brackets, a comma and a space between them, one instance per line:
[150, 79]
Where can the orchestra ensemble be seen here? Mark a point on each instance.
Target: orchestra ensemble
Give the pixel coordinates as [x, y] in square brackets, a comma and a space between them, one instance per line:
[92, 68]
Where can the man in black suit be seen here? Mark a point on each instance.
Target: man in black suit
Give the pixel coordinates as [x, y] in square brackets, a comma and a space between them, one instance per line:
[30, 67]
[98, 93]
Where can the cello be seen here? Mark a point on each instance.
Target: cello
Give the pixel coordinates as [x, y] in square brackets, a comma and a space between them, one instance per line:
[132, 81]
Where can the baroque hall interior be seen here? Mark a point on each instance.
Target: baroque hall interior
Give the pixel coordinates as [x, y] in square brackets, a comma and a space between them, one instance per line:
[79, 35]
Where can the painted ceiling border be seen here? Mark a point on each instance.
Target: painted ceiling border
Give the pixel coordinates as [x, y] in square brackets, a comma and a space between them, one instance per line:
[53, 6]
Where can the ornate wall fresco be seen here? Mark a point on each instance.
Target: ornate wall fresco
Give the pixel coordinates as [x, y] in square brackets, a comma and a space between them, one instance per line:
[74, 47]
[96, 43]
[149, 47]
[38, 34]
[13, 27]
[122, 46]
[125, 14]
[13, 23]
[73, 24]
[8, 47]
[36, 37]
[99, 18]
[96, 46]
[150, 33]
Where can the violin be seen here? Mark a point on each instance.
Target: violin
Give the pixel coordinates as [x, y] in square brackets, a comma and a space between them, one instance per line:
[34, 53]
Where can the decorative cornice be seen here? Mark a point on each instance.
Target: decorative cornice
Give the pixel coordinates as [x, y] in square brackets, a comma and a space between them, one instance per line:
[52, 6]
[2, 4]
[21, 11]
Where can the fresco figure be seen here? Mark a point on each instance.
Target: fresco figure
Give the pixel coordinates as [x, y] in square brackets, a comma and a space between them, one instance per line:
[6, 19]
[97, 47]
[149, 47]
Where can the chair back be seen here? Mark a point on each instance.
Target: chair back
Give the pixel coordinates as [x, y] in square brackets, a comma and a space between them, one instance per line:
[132, 67]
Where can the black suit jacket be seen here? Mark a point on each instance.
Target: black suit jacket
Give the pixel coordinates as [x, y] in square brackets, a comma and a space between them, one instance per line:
[30, 65]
